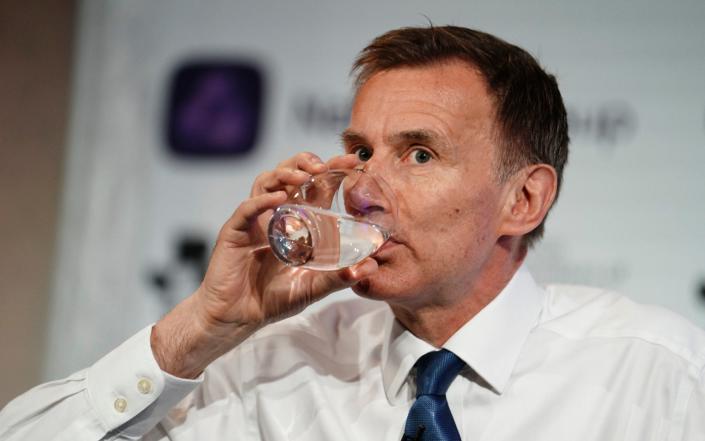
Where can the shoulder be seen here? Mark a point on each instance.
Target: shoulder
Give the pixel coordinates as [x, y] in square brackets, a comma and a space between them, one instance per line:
[583, 312]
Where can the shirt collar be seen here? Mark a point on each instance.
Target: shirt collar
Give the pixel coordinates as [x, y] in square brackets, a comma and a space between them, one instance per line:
[490, 343]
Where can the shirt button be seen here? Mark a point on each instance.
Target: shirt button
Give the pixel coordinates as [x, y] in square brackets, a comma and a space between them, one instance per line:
[144, 386]
[120, 405]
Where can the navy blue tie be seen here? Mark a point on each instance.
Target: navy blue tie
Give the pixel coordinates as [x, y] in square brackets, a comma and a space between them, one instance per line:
[429, 417]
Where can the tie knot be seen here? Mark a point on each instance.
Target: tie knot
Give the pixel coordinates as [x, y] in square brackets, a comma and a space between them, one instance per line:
[435, 371]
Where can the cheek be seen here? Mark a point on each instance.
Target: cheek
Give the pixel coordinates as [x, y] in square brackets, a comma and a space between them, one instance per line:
[461, 223]
[424, 201]
[452, 211]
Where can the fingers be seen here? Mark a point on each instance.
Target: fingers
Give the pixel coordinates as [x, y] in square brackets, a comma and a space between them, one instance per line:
[289, 174]
[343, 162]
[279, 179]
[248, 211]
[271, 188]
[307, 161]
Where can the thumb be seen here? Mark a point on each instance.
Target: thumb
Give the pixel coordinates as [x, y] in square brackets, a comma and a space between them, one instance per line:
[337, 280]
[360, 271]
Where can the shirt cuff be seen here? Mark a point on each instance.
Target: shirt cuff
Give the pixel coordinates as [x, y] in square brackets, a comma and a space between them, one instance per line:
[127, 387]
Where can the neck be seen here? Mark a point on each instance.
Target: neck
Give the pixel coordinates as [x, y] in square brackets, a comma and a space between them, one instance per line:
[436, 323]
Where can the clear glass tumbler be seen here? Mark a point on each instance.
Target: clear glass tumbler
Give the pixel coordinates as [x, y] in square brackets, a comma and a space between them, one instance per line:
[335, 220]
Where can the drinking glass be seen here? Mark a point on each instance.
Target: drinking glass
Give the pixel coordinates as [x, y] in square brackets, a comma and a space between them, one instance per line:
[335, 220]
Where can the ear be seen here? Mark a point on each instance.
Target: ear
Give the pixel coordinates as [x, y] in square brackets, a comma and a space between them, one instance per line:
[530, 195]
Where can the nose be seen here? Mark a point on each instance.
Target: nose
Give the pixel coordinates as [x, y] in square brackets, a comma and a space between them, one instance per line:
[363, 195]
[368, 196]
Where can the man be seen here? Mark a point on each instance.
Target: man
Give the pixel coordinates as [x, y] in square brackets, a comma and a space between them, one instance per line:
[471, 134]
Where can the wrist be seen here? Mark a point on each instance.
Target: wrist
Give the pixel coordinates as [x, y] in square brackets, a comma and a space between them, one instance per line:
[184, 342]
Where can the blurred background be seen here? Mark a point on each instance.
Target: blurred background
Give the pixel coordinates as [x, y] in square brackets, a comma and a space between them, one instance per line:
[130, 130]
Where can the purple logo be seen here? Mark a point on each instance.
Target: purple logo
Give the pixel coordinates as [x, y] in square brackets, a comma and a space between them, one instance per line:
[214, 109]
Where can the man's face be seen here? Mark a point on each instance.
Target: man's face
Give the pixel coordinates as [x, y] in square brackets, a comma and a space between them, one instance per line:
[428, 132]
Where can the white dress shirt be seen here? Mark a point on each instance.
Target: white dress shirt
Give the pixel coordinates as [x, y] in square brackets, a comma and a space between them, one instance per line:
[555, 364]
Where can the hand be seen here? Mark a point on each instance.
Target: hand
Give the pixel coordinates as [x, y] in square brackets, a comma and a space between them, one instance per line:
[245, 283]
[245, 286]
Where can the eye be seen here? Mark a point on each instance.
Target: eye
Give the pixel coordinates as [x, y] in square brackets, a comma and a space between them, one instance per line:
[363, 153]
[420, 156]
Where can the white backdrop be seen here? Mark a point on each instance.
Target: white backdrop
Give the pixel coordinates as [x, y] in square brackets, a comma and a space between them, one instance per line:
[630, 217]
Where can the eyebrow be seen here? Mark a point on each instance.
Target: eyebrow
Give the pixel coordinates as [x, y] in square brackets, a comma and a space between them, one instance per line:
[417, 136]
[350, 137]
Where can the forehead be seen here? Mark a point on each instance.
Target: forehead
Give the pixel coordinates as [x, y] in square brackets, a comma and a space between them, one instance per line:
[450, 98]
